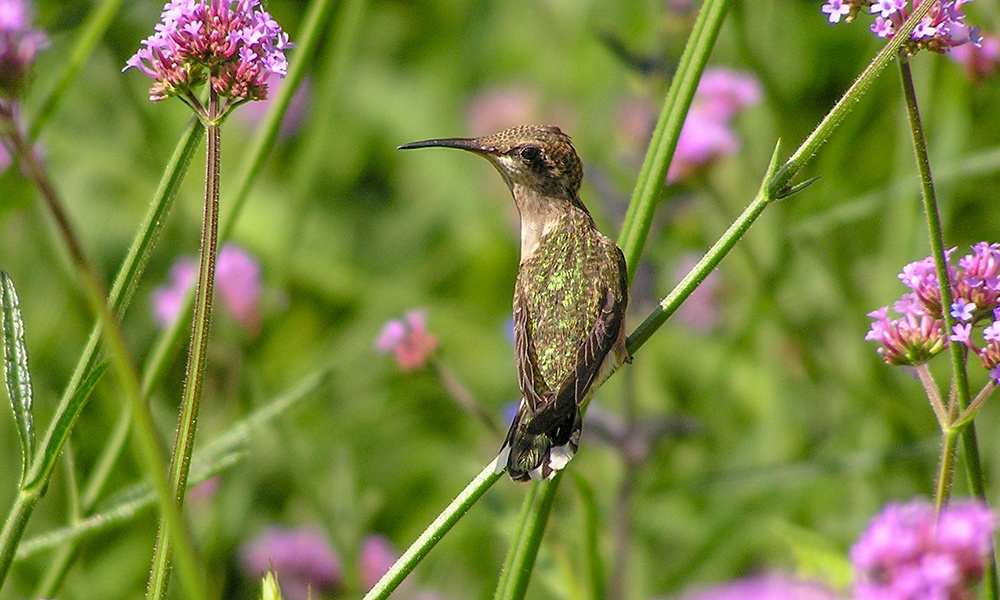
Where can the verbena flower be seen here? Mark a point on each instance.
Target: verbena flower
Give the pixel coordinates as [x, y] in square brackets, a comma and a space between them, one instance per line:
[979, 61]
[497, 108]
[167, 299]
[235, 45]
[409, 340]
[237, 283]
[706, 135]
[701, 311]
[771, 586]
[253, 114]
[376, 558]
[941, 29]
[908, 553]
[19, 45]
[908, 341]
[918, 335]
[302, 559]
[5, 158]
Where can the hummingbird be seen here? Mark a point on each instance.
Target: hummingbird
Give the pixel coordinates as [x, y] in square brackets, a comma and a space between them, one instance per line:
[570, 295]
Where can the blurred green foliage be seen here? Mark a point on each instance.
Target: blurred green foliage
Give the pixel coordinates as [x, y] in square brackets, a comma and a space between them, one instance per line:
[801, 432]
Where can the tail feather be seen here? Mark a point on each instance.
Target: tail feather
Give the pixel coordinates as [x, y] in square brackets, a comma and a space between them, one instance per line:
[540, 444]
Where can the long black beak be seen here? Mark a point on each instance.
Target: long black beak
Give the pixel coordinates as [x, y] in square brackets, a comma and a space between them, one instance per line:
[470, 144]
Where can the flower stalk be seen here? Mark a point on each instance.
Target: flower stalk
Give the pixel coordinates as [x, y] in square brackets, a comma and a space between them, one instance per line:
[180, 464]
[959, 352]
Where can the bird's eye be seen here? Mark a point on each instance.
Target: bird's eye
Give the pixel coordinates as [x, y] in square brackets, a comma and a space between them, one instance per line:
[531, 154]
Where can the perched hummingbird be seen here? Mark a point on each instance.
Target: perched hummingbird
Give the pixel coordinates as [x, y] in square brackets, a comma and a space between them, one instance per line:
[569, 297]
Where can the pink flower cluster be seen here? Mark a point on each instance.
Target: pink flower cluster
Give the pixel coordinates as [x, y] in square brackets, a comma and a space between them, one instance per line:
[303, 560]
[19, 45]
[767, 586]
[409, 340]
[980, 61]
[237, 283]
[307, 566]
[234, 44]
[909, 553]
[942, 29]
[706, 135]
[919, 334]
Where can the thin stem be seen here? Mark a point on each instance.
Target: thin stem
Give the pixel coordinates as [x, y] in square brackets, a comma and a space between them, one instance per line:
[180, 464]
[462, 396]
[946, 468]
[148, 449]
[434, 532]
[933, 395]
[530, 540]
[13, 527]
[649, 184]
[705, 266]
[977, 403]
[89, 366]
[974, 470]
[503, 583]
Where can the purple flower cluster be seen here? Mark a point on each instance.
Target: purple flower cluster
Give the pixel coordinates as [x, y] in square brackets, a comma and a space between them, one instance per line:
[919, 334]
[409, 340]
[376, 558]
[237, 282]
[939, 31]
[980, 61]
[19, 45]
[234, 44]
[706, 134]
[768, 586]
[909, 553]
[306, 564]
[302, 559]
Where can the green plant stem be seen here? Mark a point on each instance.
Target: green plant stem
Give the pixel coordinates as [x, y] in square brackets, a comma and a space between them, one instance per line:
[515, 542]
[434, 532]
[180, 464]
[530, 539]
[969, 413]
[946, 468]
[701, 270]
[591, 538]
[933, 395]
[970, 445]
[13, 527]
[315, 151]
[649, 185]
[148, 448]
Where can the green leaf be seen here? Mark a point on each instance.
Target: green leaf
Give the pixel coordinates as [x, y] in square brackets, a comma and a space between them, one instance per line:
[15, 361]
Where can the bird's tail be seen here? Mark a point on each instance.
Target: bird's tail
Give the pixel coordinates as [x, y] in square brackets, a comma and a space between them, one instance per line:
[542, 443]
